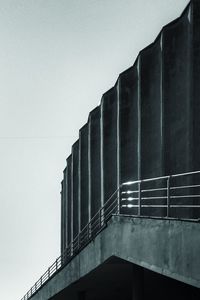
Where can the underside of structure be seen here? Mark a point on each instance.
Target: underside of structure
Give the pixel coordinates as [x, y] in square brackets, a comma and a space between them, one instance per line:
[130, 198]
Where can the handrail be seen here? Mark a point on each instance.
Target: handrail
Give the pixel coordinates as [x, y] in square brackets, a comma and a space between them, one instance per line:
[122, 204]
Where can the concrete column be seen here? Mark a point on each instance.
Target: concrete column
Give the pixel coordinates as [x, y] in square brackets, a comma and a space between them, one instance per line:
[129, 129]
[151, 110]
[69, 200]
[176, 95]
[194, 16]
[84, 184]
[151, 105]
[194, 13]
[94, 161]
[178, 103]
[61, 224]
[75, 191]
[65, 200]
[109, 142]
[128, 125]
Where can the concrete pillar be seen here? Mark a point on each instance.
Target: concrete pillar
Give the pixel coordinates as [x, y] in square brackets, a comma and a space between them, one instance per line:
[177, 95]
[178, 103]
[109, 142]
[62, 219]
[194, 14]
[75, 188]
[151, 105]
[84, 176]
[69, 200]
[128, 125]
[64, 208]
[128, 129]
[195, 30]
[151, 110]
[94, 161]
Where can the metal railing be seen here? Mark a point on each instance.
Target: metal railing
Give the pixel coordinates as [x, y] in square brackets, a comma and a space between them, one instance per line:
[176, 196]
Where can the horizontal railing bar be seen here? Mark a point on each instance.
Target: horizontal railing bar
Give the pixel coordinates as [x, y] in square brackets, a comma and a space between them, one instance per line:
[151, 198]
[186, 174]
[185, 205]
[146, 190]
[184, 187]
[147, 198]
[145, 180]
[164, 205]
[161, 177]
[129, 199]
[153, 190]
[126, 199]
[129, 192]
[185, 196]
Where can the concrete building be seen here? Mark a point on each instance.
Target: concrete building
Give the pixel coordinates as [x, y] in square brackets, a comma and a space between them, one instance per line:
[131, 188]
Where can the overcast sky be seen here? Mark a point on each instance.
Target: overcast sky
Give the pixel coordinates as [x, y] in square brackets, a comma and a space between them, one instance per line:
[57, 57]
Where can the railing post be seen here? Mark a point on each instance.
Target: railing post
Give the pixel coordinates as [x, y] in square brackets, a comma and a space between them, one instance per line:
[100, 217]
[63, 257]
[139, 198]
[72, 248]
[78, 241]
[89, 230]
[35, 286]
[119, 201]
[168, 196]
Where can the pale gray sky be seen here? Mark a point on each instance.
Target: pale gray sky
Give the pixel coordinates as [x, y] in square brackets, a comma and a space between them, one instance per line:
[57, 57]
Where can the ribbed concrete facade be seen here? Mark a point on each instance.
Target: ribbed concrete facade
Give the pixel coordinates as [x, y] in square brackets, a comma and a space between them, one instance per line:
[142, 242]
[146, 126]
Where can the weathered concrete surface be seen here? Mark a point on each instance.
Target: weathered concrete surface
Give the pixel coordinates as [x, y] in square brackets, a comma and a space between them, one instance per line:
[168, 247]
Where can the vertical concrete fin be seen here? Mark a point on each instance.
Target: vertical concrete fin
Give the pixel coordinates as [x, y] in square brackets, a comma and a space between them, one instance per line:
[64, 208]
[176, 95]
[69, 200]
[151, 110]
[62, 219]
[128, 125]
[195, 75]
[84, 176]
[109, 135]
[138, 64]
[101, 153]
[75, 188]
[95, 160]
[128, 128]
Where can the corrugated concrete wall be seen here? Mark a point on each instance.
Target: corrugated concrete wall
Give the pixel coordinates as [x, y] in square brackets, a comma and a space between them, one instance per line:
[146, 126]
